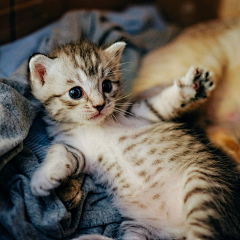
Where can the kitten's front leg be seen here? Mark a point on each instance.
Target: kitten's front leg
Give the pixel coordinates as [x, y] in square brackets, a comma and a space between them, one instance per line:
[61, 162]
[186, 93]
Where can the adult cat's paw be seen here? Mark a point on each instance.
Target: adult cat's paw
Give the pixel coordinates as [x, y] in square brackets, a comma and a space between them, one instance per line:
[43, 182]
[196, 84]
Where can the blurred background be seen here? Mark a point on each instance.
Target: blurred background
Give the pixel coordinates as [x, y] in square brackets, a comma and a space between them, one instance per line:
[21, 17]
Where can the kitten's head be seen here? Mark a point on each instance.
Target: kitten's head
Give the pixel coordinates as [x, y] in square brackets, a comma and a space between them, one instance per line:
[77, 83]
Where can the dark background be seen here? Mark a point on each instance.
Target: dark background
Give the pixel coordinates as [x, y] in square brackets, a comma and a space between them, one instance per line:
[21, 17]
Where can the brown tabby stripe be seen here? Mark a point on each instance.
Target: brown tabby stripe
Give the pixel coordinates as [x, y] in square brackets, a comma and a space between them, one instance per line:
[58, 113]
[203, 207]
[90, 65]
[176, 157]
[134, 145]
[130, 147]
[123, 180]
[135, 202]
[108, 73]
[194, 178]
[203, 236]
[165, 150]
[115, 93]
[210, 221]
[194, 191]
[143, 206]
[104, 163]
[70, 82]
[118, 175]
[111, 166]
[196, 224]
[156, 162]
[69, 103]
[122, 138]
[140, 162]
[141, 133]
[46, 102]
[142, 173]
[153, 110]
[147, 179]
[100, 158]
[152, 151]
[158, 170]
[154, 185]
[117, 82]
[207, 175]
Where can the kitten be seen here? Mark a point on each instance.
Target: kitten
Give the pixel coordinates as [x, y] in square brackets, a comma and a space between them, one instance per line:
[166, 182]
[214, 45]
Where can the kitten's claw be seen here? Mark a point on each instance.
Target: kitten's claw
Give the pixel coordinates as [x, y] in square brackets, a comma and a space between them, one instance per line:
[42, 184]
[195, 85]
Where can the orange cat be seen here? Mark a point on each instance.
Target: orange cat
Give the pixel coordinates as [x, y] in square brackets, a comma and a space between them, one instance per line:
[215, 46]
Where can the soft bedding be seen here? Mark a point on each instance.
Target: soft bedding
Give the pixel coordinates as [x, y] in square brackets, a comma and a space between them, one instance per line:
[23, 139]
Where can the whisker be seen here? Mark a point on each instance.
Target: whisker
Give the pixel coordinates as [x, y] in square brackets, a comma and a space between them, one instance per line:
[124, 112]
[124, 104]
[122, 97]
[119, 64]
[124, 116]
[110, 60]
[115, 118]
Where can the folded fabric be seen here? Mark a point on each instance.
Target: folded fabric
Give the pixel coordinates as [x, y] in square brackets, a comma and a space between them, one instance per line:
[23, 139]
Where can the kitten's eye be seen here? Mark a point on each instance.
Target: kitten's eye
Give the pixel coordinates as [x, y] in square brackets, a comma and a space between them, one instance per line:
[75, 92]
[107, 86]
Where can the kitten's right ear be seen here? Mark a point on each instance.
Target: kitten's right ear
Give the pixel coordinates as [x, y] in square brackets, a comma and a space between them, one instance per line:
[38, 68]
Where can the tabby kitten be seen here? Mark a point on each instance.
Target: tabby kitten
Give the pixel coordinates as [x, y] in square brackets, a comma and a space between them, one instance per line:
[167, 183]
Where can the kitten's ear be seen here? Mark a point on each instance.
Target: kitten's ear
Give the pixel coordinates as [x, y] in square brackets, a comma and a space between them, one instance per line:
[115, 50]
[38, 67]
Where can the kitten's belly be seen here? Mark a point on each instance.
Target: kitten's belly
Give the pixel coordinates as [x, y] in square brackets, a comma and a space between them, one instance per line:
[158, 205]
[135, 163]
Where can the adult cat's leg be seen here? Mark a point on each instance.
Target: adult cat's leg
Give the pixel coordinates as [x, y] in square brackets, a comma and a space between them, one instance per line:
[61, 162]
[186, 93]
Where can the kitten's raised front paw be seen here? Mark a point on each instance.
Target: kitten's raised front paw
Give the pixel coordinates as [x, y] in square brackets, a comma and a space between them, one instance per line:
[43, 182]
[196, 84]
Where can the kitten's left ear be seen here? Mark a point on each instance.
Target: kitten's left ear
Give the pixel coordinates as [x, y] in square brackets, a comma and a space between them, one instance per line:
[115, 50]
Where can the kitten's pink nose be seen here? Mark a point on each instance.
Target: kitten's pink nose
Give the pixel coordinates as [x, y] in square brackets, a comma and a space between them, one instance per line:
[99, 107]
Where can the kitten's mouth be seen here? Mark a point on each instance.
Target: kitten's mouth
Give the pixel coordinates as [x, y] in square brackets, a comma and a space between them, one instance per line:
[98, 115]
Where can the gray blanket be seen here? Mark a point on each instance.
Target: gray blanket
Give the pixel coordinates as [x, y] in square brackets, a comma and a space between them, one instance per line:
[24, 142]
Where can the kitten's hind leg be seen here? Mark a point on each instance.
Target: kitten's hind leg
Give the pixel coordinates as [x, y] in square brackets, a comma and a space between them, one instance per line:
[92, 237]
[136, 230]
[129, 230]
[186, 93]
[61, 162]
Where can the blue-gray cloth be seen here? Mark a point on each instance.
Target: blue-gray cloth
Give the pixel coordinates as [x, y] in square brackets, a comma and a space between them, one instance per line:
[23, 139]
